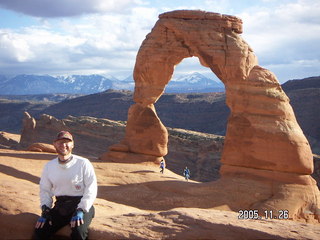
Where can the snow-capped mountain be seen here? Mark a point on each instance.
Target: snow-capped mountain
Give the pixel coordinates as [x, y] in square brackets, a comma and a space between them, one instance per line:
[88, 84]
[194, 82]
[35, 84]
[125, 84]
[29, 84]
[85, 83]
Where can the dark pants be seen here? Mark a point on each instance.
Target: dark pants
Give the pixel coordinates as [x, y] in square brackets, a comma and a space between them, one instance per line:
[62, 216]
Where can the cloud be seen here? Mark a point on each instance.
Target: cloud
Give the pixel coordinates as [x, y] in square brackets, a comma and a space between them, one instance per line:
[295, 69]
[285, 37]
[287, 29]
[13, 49]
[67, 8]
[96, 43]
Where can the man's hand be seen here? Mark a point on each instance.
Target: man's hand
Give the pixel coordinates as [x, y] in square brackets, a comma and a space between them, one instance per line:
[77, 218]
[45, 216]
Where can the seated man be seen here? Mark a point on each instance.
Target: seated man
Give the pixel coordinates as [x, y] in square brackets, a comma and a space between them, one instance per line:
[72, 180]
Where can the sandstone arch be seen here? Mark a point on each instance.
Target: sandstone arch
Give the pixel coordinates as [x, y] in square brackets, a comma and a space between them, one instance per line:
[262, 129]
[263, 137]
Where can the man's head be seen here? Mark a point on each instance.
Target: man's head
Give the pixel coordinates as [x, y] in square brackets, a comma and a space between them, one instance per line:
[63, 143]
[64, 135]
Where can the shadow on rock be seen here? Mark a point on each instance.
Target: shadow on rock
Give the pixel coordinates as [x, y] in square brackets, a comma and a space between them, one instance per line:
[162, 195]
[19, 174]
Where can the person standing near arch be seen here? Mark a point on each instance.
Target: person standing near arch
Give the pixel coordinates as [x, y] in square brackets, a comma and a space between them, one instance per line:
[186, 173]
[162, 165]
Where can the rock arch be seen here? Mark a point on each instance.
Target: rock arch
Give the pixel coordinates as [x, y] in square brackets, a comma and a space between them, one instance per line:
[262, 131]
[263, 138]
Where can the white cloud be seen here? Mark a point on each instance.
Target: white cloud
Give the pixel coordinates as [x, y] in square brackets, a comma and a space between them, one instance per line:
[13, 48]
[283, 35]
[101, 42]
[287, 25]
[296, 69]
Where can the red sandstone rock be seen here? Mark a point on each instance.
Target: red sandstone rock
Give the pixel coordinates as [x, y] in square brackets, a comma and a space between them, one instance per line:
[136, 201]
[9, 140]
[27, 135]
[267, 160]
[41, 147]
[263, 140]
[262, 131]
[144, 132]
[92, 136]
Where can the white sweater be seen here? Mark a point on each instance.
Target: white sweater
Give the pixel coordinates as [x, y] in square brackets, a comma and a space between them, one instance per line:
[75, 178]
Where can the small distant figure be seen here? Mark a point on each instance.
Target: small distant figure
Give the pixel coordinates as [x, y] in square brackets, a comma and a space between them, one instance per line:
[186, 173]
[162, 166]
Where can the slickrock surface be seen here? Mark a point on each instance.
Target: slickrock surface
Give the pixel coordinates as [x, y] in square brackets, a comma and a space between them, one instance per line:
[135, 201]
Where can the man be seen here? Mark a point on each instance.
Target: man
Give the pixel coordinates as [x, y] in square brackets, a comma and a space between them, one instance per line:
[72, 180]
[186, 173]
[162, 166]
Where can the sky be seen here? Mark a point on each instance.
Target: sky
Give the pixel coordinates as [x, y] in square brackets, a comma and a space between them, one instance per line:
[67, 37]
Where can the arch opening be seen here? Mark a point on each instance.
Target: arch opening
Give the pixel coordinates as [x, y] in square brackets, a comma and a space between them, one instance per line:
[200, 143]
[190, 76]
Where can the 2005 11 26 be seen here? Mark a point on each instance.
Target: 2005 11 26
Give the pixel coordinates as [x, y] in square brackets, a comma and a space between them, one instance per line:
[267, 214]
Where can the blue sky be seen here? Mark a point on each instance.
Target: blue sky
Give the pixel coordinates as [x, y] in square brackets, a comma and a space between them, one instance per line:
[65, 37]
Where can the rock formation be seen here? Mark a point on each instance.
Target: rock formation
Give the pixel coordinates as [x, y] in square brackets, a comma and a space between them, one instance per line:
[42, 147]
[200, 151]
[266, 160]
[27, 134]
[135, 201]
[263, 140]
[92, 135]
[8, 140]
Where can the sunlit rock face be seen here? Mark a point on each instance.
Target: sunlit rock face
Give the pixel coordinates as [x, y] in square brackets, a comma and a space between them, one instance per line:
[262, 130]
[263, 141]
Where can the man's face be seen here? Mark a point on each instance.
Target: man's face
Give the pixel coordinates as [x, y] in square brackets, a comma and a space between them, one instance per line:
[63, 147]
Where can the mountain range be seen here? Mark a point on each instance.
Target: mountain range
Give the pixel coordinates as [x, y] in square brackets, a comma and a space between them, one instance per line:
[202, 112]
[87, 84]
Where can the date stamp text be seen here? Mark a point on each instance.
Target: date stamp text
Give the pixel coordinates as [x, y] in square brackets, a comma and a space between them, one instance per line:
[267, 214]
